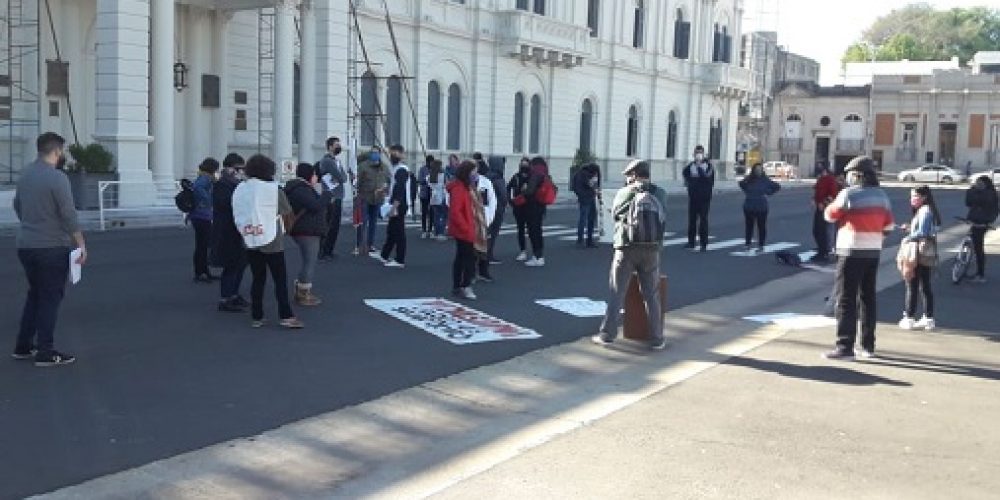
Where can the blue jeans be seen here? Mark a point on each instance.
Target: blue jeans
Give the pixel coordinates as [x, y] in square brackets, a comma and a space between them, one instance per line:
[370, 223]
[588, 217]
[47, 270]
[440, 214]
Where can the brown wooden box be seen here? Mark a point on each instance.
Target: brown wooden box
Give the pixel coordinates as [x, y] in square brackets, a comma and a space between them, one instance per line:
[634, 323]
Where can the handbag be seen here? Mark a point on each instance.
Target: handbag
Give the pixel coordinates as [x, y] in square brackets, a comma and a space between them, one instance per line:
[927, 254]
[906, 259]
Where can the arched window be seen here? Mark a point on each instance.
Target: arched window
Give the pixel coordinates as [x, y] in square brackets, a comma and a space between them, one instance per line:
[535, 127]
[715, 138]
[794, 117]
[672, 135]
[454, 117]
[793, 126]
[540, 7]
[519, 122]
[593, 16]
[632, 132]
[852, 127]
[369, 123]
[682, 36]
[586, 125]
[852, 118]
[638, 25]
[722, 46]
[394, 111]
[433, 115]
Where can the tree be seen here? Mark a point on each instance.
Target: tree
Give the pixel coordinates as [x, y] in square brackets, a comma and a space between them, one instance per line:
[919, 33]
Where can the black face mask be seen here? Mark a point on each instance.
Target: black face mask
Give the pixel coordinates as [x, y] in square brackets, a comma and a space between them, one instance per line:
[394, 160]
[337, 150]
[61, 163]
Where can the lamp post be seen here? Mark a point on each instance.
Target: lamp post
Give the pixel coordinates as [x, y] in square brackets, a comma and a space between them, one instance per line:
[180, 76]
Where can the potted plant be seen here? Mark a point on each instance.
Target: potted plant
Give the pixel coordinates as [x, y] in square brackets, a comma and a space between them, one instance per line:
[91, 164]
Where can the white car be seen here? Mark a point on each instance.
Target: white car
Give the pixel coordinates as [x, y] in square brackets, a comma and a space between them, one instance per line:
[992, 174]
[780, 169]
[932, 173]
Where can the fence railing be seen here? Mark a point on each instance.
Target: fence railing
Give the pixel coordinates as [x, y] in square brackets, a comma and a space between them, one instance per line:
[136, 199]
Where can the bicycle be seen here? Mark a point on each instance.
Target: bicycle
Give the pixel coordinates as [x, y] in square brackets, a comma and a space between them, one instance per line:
[960, 269]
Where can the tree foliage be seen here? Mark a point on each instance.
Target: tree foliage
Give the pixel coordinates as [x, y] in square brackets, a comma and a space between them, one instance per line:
[919, 33]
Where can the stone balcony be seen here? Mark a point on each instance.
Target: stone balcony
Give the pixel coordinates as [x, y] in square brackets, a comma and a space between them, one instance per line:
[237, 4]
[532, 37]
[725, 79]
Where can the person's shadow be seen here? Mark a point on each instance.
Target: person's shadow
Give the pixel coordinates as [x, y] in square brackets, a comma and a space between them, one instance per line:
[821, 373]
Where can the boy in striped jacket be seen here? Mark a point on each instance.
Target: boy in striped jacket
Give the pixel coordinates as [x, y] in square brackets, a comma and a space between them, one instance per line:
[864, 215]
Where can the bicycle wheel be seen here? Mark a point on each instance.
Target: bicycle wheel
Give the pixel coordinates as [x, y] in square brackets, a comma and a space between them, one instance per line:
[959, 270]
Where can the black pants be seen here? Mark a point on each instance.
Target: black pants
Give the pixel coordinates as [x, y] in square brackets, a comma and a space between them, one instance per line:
[979, 244]
[202, 238]
[260, 263]
[464, 267]
[521, 220]
[920, 283]
[46, 270]
[821, 234]
[492, 233]
[232, 278]
[760, 220]
[395, 237]
[334, 213]
[535, 215]
[856, 277]
[698, 220]
[426, 220]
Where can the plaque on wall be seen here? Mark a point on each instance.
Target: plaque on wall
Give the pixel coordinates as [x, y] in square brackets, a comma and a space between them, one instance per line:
[57, 78]
[211, 96]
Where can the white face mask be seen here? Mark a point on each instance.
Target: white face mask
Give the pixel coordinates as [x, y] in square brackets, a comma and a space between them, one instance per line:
[699, 157]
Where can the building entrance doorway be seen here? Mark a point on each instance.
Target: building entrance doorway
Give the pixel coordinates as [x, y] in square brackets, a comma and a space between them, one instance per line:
[822, 154]
[946, 144]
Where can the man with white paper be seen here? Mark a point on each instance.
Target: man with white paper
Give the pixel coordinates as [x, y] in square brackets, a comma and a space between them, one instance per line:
[48, 231]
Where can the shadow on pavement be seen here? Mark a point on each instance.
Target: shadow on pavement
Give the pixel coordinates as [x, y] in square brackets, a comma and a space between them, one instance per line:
[829, 374]
[931, 366]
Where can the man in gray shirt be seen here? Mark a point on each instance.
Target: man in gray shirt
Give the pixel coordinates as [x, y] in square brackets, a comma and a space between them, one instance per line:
[334, 177]
[49, 230]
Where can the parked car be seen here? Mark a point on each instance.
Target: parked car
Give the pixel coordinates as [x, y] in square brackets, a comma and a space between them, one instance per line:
[932, 173]
[992, 174]
[780, 169]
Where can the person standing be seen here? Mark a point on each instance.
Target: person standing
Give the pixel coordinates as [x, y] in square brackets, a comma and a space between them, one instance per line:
[439, 199]
[495, 174]
[229, 251]
[48, 230]
[488, 199]
[535, 209]
[335, 178]
[373, 181]
[261, 209]
[981, 199]
[922, 231]
[757, 186]
[464, 210]
[424, 194]
[201, 218]
[586, 184]
[309, 200]
[824, 192]
[639, 212]
[515, 191]
[399, 193]
[864, 215]
[699, 178]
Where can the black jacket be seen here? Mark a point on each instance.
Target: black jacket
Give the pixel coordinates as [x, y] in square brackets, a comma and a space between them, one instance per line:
[699, 187]
[581, 184]
[517, 183]
[983, 206]
[309, 207]
[227, 243]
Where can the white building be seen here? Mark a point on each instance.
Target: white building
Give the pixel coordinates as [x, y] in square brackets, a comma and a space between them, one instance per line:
[858, 74]
[622, 79]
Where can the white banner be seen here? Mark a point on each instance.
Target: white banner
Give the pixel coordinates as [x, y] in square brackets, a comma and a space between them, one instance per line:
[581, 307]
[450, 321]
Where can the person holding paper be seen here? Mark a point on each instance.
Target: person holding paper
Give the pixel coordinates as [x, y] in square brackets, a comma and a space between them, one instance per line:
[48, 231]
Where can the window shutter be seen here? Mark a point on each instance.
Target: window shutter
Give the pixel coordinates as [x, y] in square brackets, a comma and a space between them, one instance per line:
[685, 40]
[728, 49]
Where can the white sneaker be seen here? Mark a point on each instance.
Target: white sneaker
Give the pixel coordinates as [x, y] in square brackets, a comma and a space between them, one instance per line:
[925, 323]
[468, 293]
[441, 237]
[535, 262]
[521, 257]
[907, 323]
[424, 236]
[394, 263]
[377, 256]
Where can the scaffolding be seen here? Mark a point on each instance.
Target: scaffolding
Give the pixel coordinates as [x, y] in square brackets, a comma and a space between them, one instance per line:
[20, 77]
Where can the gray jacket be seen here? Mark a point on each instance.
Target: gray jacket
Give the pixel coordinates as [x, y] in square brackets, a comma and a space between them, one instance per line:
[330, 165]
[43, 203]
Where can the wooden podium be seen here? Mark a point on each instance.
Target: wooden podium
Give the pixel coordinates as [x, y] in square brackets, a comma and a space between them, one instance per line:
[635, 326]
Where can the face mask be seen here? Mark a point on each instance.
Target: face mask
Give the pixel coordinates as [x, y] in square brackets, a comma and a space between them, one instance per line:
[61, 163]
[337, 150]
[375, 157]
[394, 160]
[699, 157]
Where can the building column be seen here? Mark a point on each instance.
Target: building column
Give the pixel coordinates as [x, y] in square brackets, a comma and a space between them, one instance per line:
[283, 99]
[122, 94]
[162, 83]
[307, 84]
[195, 126]
[333, 50]
[221, 131]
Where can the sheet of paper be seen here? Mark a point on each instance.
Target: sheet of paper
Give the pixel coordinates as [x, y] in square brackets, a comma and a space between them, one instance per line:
[75, 270]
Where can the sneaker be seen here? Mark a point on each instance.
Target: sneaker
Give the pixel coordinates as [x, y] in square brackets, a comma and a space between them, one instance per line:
[292, 323]
[521, 257]
[356, 252]
[424, 236]
[485, 278]
[229, 305]
[24, 355]
[54, 358]
[839, 354]
[600, 340]
[659, 346]
[257, 323]
[925, 323]
[202, 278]
[240, 301]
[535, 262]
[979, 279]
[867, 353]
[907, 323]
[468, 293]
[441, 237]
[703, 249]
[394, 263]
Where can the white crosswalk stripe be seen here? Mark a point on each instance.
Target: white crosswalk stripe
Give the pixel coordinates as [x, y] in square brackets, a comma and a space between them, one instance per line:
[774, 247]
[735, 242]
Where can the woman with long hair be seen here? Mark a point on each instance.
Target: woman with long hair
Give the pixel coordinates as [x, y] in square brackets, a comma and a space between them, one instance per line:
[921, 231]
[515, 192]
[757, 186]
[467, 224]
[309, 202]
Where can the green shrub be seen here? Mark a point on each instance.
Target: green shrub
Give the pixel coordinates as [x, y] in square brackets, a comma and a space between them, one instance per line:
[92, 159]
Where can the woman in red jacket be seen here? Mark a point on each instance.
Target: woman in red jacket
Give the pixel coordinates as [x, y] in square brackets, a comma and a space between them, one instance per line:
[466, 224]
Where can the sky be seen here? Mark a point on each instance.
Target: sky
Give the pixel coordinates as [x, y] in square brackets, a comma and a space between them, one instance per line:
[823, 29]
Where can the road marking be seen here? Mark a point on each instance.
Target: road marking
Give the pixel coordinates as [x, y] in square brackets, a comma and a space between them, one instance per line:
[581, 307]
[805, 256]
[681, 241]
[573, 238]
[719, 245]
[546, 230]
[774, 247]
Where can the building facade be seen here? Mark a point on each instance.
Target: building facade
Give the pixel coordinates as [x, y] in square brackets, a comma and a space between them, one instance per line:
[163, 84]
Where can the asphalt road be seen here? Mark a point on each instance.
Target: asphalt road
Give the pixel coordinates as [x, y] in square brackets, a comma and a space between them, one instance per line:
[161, 372]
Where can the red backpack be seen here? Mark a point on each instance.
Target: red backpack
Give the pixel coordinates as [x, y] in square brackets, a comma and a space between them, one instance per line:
[546, 192]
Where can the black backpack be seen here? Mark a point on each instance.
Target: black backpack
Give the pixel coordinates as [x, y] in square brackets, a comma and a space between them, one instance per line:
[185, 198]
[787, 258]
